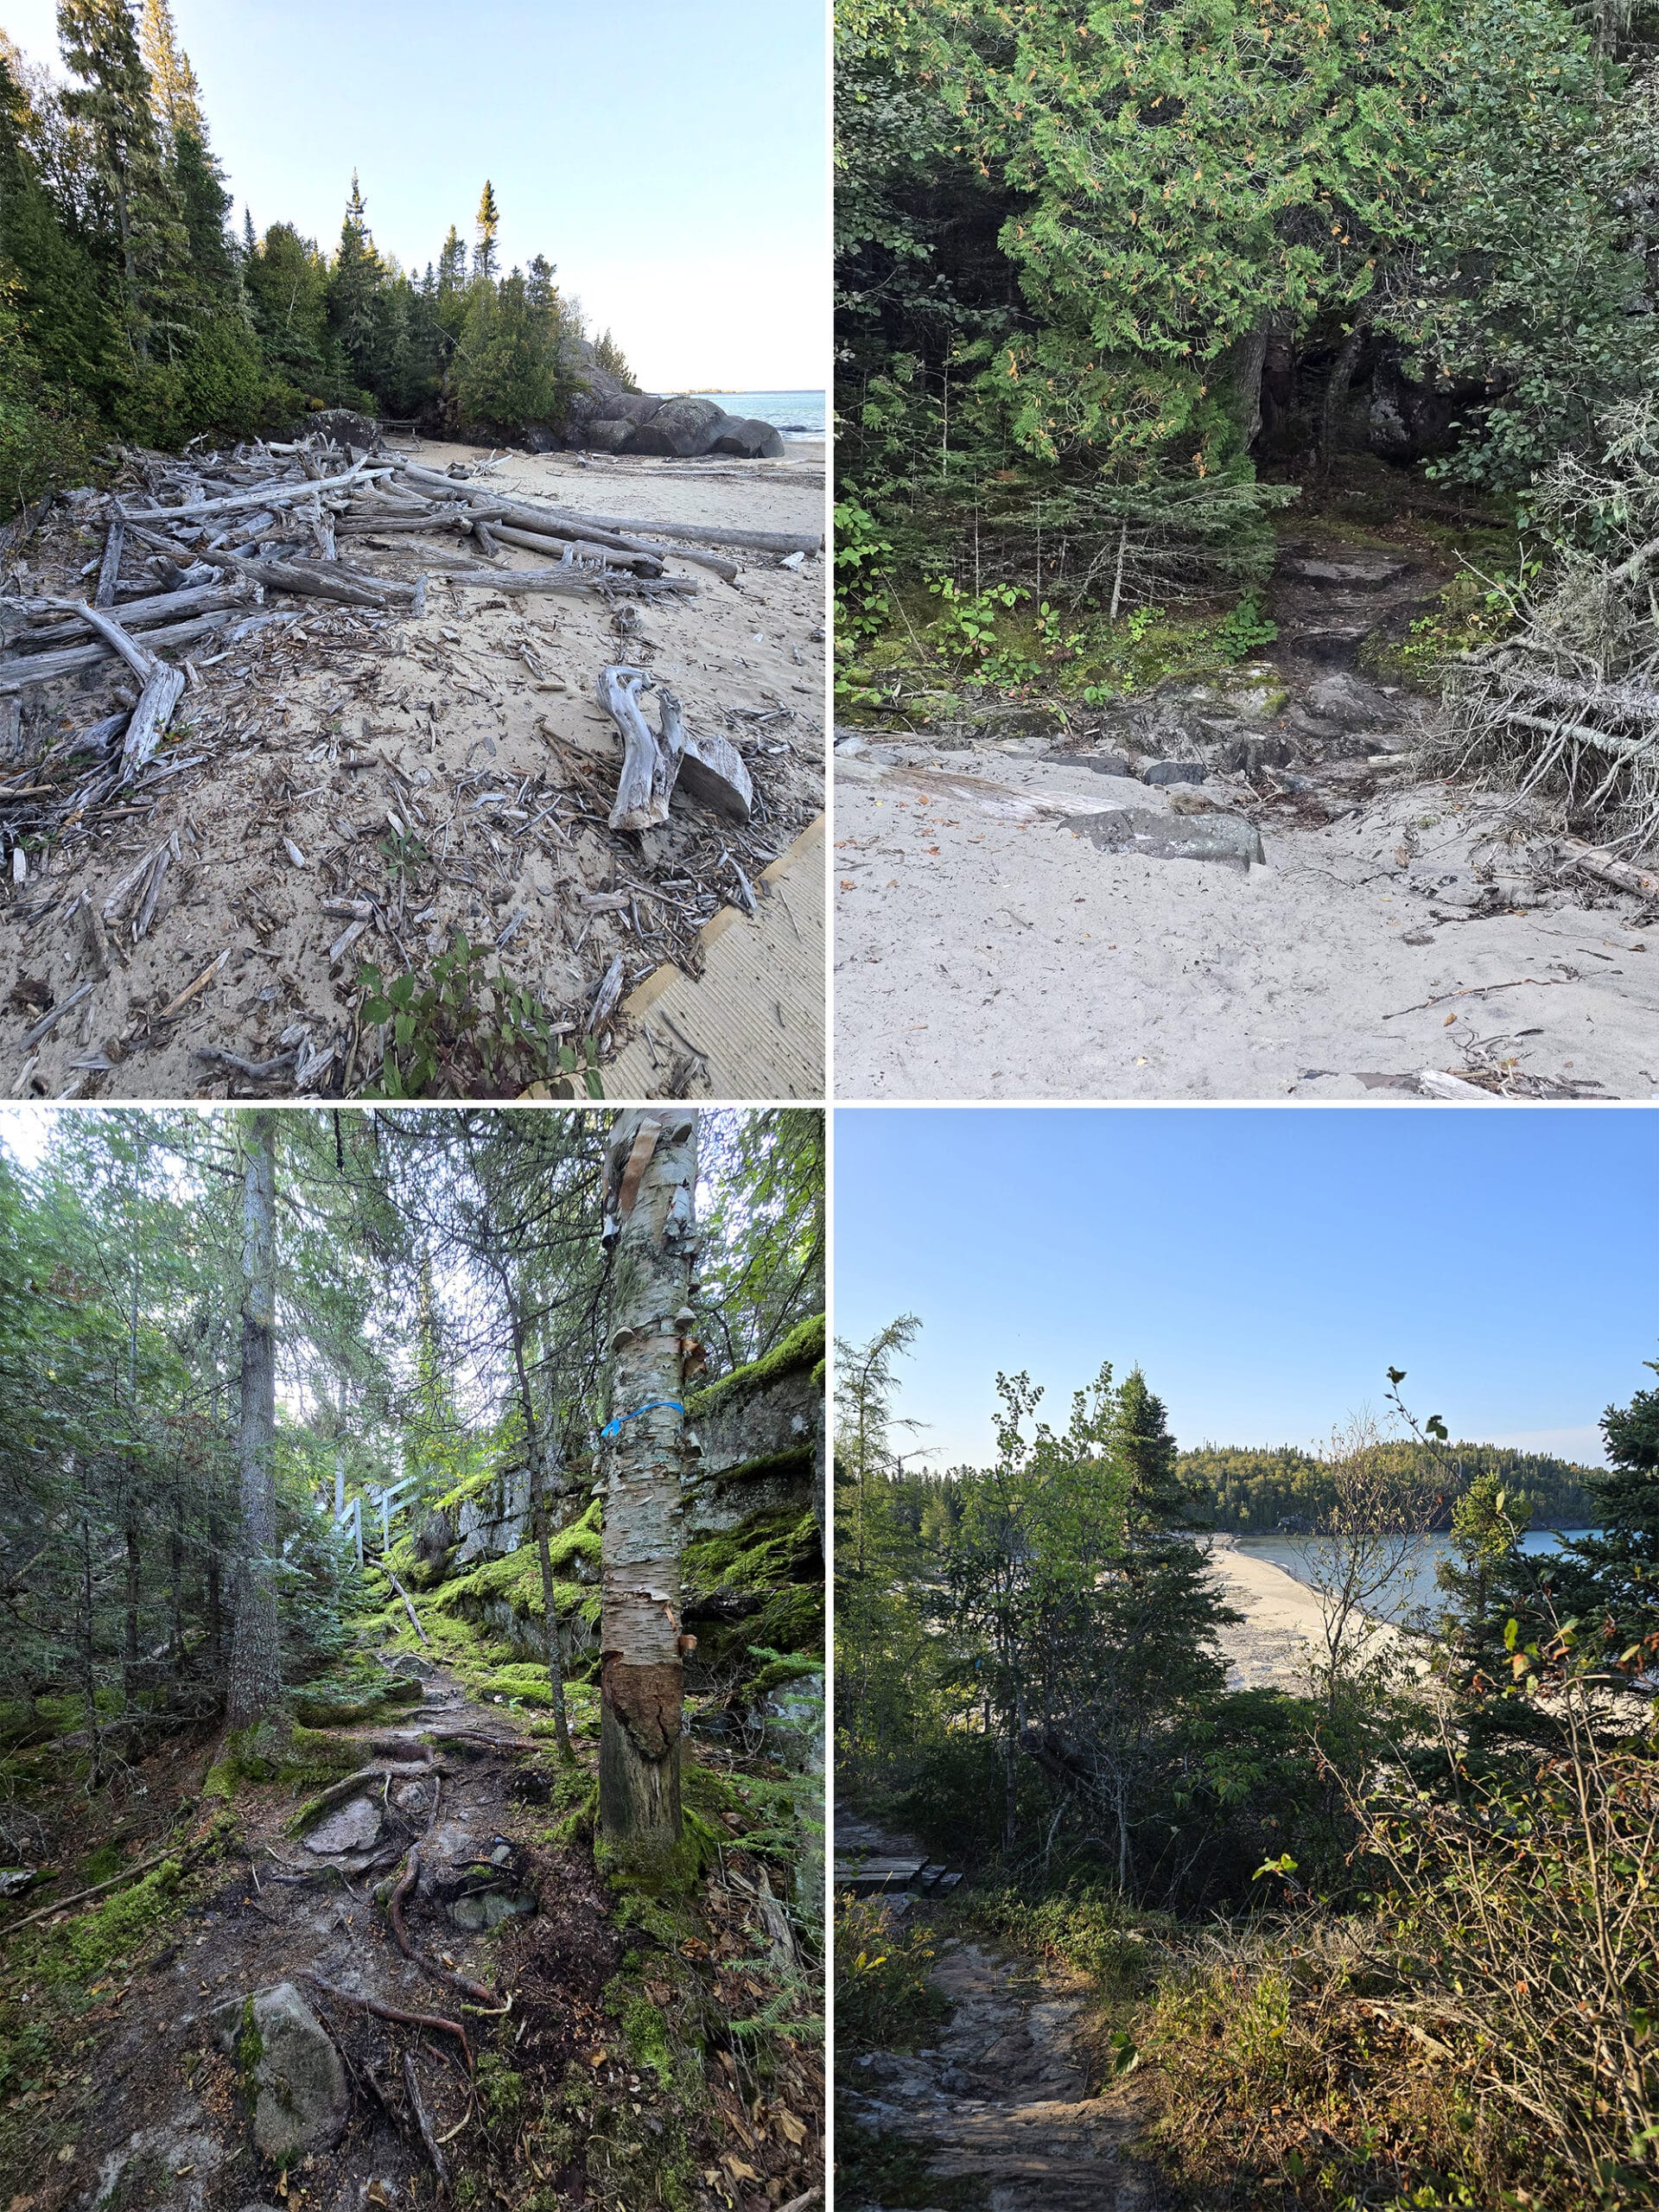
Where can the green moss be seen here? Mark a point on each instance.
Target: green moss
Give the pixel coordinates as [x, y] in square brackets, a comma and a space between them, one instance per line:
[290, 1756]
[762, 1552]
[777, 1673]
[250, 2043]
[645, 2032]
[664, 1869]
[802, 1347]
[81, 1949]
[516, 1580]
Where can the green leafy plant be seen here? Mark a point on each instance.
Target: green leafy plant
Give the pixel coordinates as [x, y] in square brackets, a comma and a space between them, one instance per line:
[1245, 631]
[465, 1030]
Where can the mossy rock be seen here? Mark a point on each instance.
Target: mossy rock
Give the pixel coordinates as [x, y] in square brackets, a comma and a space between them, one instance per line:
[804, 1347]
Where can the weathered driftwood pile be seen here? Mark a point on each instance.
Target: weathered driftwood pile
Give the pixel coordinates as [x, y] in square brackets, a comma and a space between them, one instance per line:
[192, 574]
[1568, 704]
[210, 544]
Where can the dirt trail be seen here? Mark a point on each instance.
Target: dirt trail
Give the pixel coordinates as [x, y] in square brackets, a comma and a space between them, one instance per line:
[1011, 2092]
[1020, 915]
[168, 2130]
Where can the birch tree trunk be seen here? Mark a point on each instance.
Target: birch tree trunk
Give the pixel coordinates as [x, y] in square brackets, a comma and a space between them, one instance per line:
[650, 1175]
[256, 1656]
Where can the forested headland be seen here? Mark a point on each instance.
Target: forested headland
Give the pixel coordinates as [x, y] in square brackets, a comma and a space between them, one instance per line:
[1385, 1938]
[131, 309]
[1131, 295]
[411, 1621]
[1247, 1490]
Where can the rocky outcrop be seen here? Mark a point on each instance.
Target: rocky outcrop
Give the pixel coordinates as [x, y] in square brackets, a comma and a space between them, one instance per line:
[604, 417]
[761, 1431]
[494, 1522]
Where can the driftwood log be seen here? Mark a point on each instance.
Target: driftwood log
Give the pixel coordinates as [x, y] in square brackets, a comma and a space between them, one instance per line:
[655, 760]
[164, 689]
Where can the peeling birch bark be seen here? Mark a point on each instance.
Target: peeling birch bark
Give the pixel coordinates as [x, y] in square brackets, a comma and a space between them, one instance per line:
[651, 1178]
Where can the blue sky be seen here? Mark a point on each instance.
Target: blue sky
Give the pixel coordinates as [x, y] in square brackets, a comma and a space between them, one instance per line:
[1265, 1267]
[668, 154]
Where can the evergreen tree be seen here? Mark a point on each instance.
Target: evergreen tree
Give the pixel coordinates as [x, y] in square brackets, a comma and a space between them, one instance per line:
[1611, 1579]
[287, 281]
[174, 93]
[356, 283]
[509, 366]
[489, 224]
[609, 356]
[147, 230]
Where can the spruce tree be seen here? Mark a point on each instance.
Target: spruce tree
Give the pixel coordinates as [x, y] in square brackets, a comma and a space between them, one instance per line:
[174, 94]
[356, 285]
[147, 233]
[609, 356]
[489, 223]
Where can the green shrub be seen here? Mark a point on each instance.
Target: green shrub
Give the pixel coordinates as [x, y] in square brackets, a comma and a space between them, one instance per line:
[884, 1996]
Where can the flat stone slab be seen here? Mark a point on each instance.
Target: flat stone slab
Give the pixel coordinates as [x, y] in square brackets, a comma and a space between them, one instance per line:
[353, 1827]
[1225, 837]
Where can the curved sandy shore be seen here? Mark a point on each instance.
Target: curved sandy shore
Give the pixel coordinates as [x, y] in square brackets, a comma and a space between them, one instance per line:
[1272, 1647]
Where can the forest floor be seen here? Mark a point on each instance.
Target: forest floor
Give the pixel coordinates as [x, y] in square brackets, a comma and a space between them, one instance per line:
[474, 730]
[1012, 2104]
[126, 2082]
[1021, 915]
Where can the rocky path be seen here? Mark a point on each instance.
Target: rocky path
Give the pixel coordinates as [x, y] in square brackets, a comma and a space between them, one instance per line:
[1242, 888]
[250, 2048]
[1014, 2092]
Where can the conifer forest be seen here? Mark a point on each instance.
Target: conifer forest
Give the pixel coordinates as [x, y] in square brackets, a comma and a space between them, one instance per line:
[132, 311]
[411, 1540]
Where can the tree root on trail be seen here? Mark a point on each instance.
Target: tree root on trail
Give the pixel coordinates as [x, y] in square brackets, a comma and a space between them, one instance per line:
[483, 1997]
[432, 2020]
[387, 1771]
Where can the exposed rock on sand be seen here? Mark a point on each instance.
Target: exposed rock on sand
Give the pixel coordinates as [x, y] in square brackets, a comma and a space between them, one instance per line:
[1008, 927]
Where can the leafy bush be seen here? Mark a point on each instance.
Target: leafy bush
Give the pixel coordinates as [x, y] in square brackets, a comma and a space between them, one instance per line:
[885, 2000]
[443, 1040]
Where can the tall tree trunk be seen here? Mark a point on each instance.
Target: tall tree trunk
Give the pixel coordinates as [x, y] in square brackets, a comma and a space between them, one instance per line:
[1252, 359]
[651, 1178]
[88, 1654]
[536, 1441]
[256, 1656]
[130, 1627]
[1335, 392]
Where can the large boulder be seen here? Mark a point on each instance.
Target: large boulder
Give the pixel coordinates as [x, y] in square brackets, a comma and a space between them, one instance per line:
[610, 434]
[353, 1827]
[301, 2097]
[750, 438]
[681, 428]
[597, 395]
[495, 1520]
[1347, 700]
[355, 433]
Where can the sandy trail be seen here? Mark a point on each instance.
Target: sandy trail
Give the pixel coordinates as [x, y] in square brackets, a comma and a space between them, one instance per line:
[983, 956]
[477, 727]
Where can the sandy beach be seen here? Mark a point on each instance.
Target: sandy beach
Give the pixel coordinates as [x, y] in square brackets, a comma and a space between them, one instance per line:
[1272, 1647]
[302, 740]
[987, 947]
